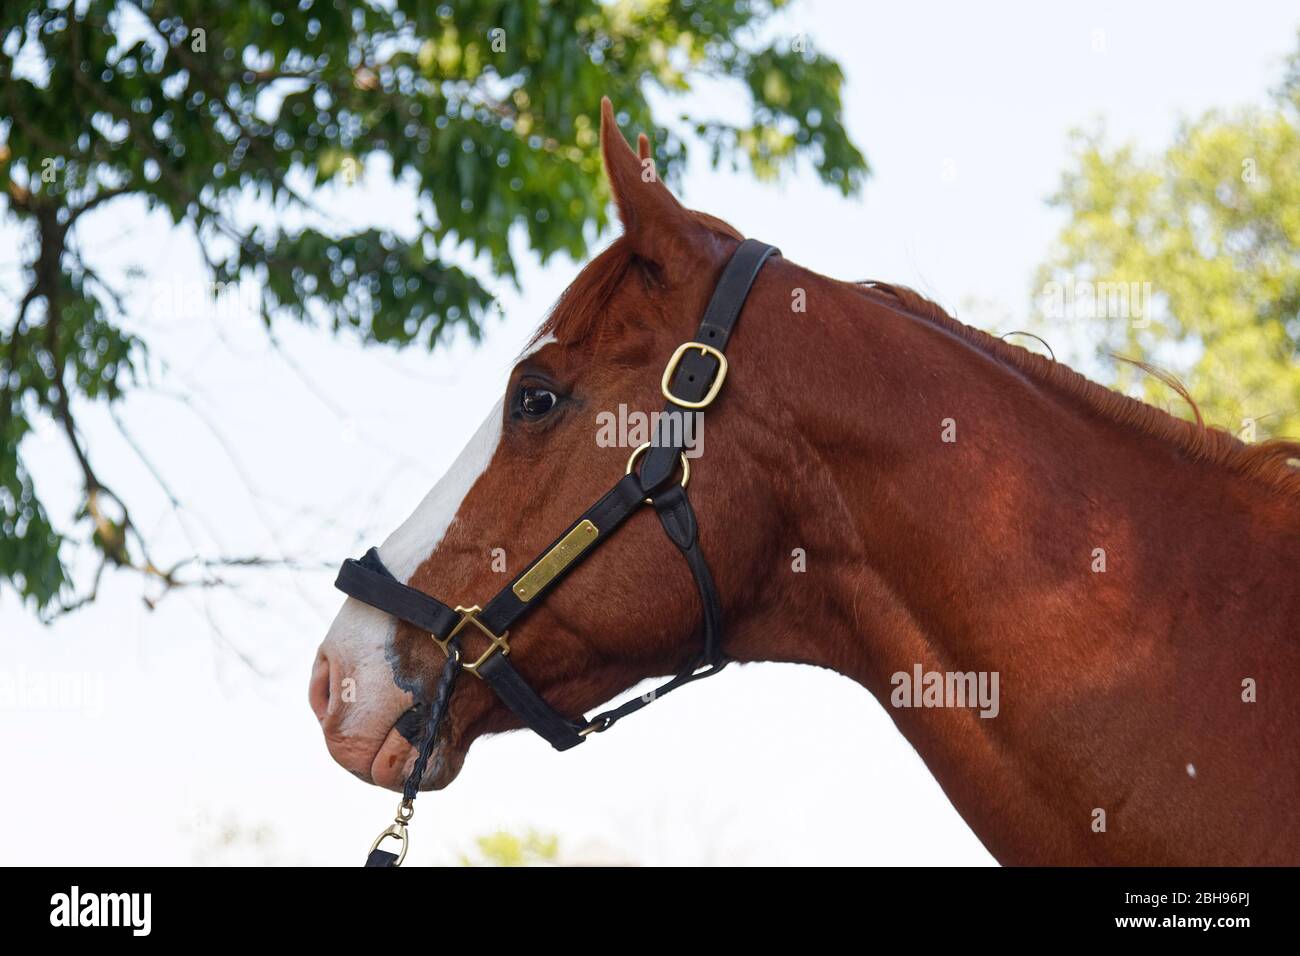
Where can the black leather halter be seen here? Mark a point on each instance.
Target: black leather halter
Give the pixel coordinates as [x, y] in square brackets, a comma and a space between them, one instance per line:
[691, 381]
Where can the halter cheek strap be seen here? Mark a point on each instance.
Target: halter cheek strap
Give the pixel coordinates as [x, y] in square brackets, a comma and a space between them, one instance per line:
[691, 381]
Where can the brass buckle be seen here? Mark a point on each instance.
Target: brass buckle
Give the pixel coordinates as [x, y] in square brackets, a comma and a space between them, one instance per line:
[469, 615]
[637, 452]
[665, 383]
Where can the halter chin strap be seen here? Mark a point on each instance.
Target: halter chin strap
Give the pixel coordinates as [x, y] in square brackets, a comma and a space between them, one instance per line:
[691, 381]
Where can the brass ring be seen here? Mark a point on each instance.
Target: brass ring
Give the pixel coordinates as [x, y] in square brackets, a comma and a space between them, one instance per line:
[631, 463]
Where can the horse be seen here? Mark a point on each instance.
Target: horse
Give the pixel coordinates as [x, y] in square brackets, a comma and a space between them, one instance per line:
[923, 508]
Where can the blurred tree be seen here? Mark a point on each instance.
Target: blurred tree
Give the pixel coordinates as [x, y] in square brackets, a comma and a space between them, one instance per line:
[487, 108]
[1207, 238]
[508, 849]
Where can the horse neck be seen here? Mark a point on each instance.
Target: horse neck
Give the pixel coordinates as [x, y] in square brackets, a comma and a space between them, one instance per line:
[958, 514]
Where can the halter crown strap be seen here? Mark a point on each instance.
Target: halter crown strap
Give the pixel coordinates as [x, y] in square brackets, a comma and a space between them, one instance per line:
[698, 368]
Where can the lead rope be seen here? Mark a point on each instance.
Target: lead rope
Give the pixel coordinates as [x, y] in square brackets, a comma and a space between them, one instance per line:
[406, 809]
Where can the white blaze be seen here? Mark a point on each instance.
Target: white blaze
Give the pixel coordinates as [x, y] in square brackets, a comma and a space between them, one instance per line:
[362, 634]
[408, 546]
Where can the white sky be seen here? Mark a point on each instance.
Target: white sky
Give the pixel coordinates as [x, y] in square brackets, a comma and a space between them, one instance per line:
[179, 753]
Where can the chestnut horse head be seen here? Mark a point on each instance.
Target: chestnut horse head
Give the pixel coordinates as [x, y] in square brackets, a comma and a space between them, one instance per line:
[893, 495]
[539, 459]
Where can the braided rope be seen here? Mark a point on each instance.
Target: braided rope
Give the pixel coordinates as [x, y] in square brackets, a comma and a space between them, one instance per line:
[437, 710]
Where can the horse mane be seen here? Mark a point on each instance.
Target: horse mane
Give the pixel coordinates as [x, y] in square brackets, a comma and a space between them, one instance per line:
[1267, 461]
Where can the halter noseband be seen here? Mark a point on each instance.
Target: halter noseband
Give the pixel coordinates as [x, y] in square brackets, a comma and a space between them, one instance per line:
[691, 381]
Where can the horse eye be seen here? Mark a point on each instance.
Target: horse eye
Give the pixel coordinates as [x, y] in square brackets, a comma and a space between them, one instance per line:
[536, 402]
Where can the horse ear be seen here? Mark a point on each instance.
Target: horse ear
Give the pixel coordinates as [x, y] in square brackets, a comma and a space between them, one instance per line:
[658, 227]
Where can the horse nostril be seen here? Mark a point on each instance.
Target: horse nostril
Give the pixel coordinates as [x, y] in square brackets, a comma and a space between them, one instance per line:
[318, 691]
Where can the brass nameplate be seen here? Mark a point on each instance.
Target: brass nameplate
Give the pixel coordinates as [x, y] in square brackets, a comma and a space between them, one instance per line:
[564, 553]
